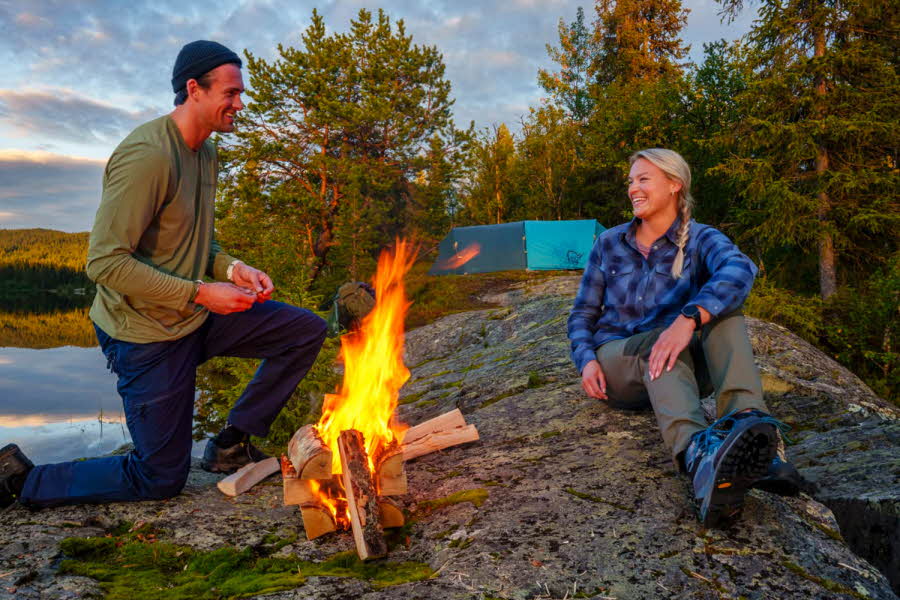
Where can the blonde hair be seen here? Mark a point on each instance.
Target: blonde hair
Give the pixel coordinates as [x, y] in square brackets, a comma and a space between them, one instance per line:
[676, 169]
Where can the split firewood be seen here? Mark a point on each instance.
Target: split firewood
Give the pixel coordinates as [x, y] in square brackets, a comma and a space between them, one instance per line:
[296, 491]
[439, 440]
[448, 420]
[317, 519]
[365, 516]
[310, 457]
[391, 513]
[247, 476]
[390, 474]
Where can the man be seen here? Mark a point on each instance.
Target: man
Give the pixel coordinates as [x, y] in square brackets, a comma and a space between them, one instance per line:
[152, 241]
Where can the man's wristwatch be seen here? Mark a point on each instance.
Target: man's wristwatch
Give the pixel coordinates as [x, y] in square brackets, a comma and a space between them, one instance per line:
[692, 311]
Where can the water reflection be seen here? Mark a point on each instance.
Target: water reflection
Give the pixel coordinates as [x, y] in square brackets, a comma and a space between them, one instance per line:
[59, 403]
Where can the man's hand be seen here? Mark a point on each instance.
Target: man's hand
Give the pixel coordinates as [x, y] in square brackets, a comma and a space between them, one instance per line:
[254, 280]
[224, 298]
[593, 380]
[670, 344]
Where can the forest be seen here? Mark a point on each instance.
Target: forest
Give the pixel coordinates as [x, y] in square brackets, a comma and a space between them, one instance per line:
[348, 140]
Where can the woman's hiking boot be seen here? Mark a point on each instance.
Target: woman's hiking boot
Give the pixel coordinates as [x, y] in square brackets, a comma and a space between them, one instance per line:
[782, 477]
[726, 459]
[14, 468]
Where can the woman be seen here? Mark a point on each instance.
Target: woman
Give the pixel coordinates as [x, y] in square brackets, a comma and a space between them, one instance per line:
[657, 318]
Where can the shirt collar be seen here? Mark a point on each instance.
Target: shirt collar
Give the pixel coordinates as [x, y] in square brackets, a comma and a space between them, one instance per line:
[629, 234]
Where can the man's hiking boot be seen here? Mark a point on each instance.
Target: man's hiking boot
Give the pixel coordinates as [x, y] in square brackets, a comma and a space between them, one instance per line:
[14, 468]
[726, 459]
[228, 460]
[782, 477]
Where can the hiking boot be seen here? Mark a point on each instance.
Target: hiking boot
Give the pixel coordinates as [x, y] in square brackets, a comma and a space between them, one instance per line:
[782, 477]
[14, 468]
[228, 460]
[726, 459]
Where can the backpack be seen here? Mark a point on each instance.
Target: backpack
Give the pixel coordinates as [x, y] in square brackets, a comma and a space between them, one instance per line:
[353, 301]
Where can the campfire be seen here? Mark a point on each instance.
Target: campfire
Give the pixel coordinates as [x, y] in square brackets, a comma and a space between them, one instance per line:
[343, 470]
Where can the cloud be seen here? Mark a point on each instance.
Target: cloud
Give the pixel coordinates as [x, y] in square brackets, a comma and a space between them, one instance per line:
[64, 115]
[41, 189]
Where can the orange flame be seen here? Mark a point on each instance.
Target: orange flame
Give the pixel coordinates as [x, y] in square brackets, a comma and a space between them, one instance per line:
[461, 257]
[373, 365]
[330, 496]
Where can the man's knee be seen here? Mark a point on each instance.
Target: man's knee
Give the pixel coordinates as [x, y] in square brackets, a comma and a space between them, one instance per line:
[157, 483]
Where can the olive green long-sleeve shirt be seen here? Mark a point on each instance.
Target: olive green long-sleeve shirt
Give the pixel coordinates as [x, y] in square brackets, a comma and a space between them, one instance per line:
[153, 236]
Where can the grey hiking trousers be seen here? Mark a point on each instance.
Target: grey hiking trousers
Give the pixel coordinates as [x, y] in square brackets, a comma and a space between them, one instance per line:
[718, 360]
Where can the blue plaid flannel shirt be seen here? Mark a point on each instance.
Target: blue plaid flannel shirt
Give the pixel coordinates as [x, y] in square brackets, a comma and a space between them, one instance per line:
[622, 294]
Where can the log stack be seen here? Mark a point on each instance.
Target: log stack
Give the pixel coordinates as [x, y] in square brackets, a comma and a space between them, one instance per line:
[306, 473]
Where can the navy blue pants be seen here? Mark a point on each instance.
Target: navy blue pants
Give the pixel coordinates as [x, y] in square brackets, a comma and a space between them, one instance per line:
[156, 382]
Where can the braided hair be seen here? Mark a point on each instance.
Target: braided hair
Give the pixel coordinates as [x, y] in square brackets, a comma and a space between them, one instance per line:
[676, 169]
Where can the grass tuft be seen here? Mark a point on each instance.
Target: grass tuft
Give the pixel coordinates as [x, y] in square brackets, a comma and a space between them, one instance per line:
[476, 496]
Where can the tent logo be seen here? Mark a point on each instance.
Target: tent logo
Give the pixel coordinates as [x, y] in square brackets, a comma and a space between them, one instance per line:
[574, 258]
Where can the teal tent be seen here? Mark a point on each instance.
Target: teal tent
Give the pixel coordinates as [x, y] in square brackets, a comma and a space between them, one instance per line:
[532, 245]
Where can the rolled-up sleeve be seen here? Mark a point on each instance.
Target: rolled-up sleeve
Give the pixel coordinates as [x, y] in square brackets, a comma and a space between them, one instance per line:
[587, 309]
[731, 274]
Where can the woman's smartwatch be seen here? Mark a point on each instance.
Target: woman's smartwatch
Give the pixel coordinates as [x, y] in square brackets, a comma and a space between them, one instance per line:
[692, 311]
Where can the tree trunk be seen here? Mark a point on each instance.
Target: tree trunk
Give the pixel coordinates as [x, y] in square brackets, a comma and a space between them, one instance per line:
[827, 272]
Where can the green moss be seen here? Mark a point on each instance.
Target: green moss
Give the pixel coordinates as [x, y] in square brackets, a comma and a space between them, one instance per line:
[461, 543]
[425, 403]
[669, 554]
[476, 496]
[831, 586]
[472, 367]
[597, 499]
[490, 401]
[455, 384]
[409, 399]
[550, 434]
[534, 380]
[450, 475]
[130, 567]
[442, 534]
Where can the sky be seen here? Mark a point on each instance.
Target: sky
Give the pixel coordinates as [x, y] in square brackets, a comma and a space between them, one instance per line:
[77, 76]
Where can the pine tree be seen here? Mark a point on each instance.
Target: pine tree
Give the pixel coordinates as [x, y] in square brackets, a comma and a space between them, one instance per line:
[816, 150]
[570, 86]
[332, 136]
[638, 40]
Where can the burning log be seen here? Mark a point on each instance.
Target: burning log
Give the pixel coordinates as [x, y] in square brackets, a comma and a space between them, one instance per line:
[311, 458]
[439, 440]
[247, 476]
[390, 474]
[391, 514]
[365, 514]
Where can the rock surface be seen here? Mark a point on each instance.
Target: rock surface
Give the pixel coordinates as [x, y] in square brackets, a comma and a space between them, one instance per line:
[582, 500]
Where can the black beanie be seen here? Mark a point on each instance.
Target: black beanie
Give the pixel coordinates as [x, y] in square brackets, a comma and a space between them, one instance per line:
[198, 58]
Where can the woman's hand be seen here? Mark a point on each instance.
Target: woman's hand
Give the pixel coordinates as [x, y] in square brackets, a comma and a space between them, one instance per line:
[670, 344]
[593, 380]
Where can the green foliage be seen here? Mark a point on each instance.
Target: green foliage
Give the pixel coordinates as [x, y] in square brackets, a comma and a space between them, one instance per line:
[813, 155]
[221, 381]
[43, 270]
[134, 566]
[328, 151]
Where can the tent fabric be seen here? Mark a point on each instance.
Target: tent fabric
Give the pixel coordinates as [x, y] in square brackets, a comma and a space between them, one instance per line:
[559, 244]
[533, 245]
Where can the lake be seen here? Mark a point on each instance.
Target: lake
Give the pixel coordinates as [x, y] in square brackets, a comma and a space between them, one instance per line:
[58, 401]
